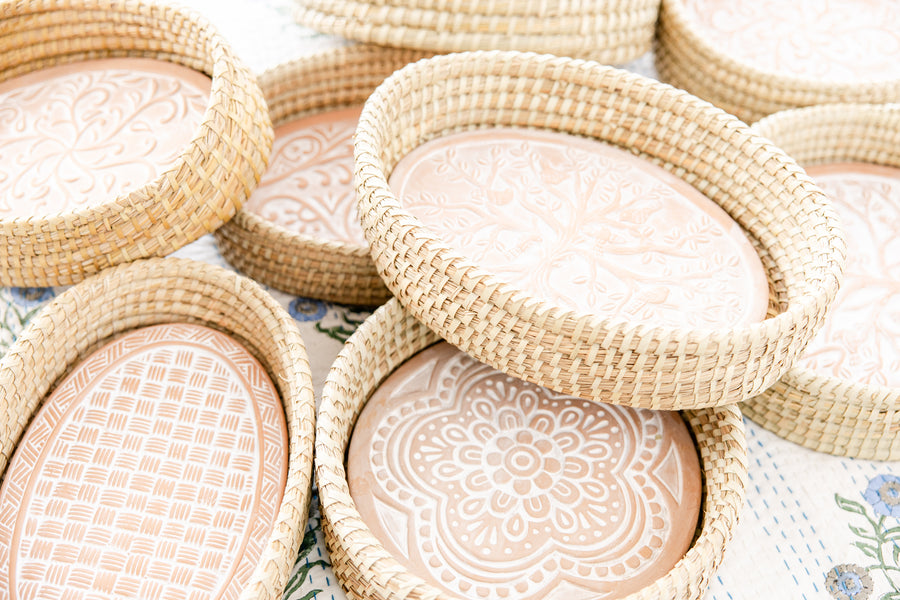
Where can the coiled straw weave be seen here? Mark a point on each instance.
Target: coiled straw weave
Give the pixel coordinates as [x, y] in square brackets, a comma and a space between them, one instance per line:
[364, 567]
[822, 412]
[293, 262]
[782, 212]
[165, 291]
[200, 191]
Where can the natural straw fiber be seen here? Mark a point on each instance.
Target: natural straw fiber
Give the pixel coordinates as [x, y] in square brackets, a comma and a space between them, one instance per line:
[367, 571]
[165, 291]
[200, 191]
[686, 59]
[783, 213]
[603, 30]
[293, 262]
[823, 412]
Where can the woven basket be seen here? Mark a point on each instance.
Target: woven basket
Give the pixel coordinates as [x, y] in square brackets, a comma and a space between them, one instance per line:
[610, 32]
[200, 191]
[685, 59]
[364, 567]
[165, 291]
[611, 360]
[302, 264]
[822, 412]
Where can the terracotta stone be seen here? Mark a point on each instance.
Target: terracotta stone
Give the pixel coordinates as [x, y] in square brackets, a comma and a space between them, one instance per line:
[154, 470]
[491, 487]
[859, 339]
[308, 187]
[586, 226]
[837, 40]
[78, 135]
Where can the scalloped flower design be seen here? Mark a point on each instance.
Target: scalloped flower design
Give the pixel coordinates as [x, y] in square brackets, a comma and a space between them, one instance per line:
[493, 487]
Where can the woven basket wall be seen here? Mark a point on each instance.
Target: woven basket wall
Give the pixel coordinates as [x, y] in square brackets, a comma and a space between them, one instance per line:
[293, 262]
[200, 191]
[782, 212]
[821, 412]
[685, 59]
[165, 291]
[364, 567]
[603, 30]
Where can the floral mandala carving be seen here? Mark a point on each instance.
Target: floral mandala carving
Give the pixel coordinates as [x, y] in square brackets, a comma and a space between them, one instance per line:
[585, 225]
[859, 339]
[79, 135]
[843, 40]
[495, 487]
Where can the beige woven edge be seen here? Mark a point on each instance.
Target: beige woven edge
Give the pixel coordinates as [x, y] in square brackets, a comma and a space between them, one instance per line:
[289, 261]
[684, 58]
[820, 412]
[783, 213]
[607, 32]
[364, 567]
[164, 291]
[203, 188]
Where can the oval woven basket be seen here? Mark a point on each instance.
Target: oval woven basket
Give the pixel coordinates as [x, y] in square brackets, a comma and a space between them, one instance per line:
[367, 571]
[686, 59]
[821, 412]
[156, 291]
[204, 187]
[603, 30]
[287, 260]
[611, 360]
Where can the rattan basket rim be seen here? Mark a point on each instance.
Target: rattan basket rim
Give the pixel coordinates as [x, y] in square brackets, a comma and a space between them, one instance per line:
[168, 290]
[627, 25]
[749, 76]
[394, 335]
[241, 130]
[869, 400]
[319, 82]
[810, 293]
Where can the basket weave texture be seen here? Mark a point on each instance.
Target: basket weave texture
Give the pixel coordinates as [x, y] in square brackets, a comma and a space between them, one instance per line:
[205, 186]
[603, 30]
[783, 213]
[821, 412]
[293, 262]
[367, 571]
[685, 59]
[159, 291]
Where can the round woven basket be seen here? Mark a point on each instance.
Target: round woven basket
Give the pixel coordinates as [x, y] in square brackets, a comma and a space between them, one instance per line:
[782, 212]
[293, 262]
[173, 290]
[366, 570]
[205, 186]
[686, 59]
[603, 30]
[822, 412]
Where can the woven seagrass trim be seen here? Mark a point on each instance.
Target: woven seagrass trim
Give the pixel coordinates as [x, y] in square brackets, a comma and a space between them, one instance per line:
[367, 571]
[610, 32]
[685, 59]
[204, 187]
[155, 291]
[783, 213]
[822, 412]
[293, 262]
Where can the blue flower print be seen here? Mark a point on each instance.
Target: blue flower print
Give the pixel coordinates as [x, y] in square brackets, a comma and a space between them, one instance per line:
[29, 297]
[848, 582]
[307, 309]
[883, 494]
